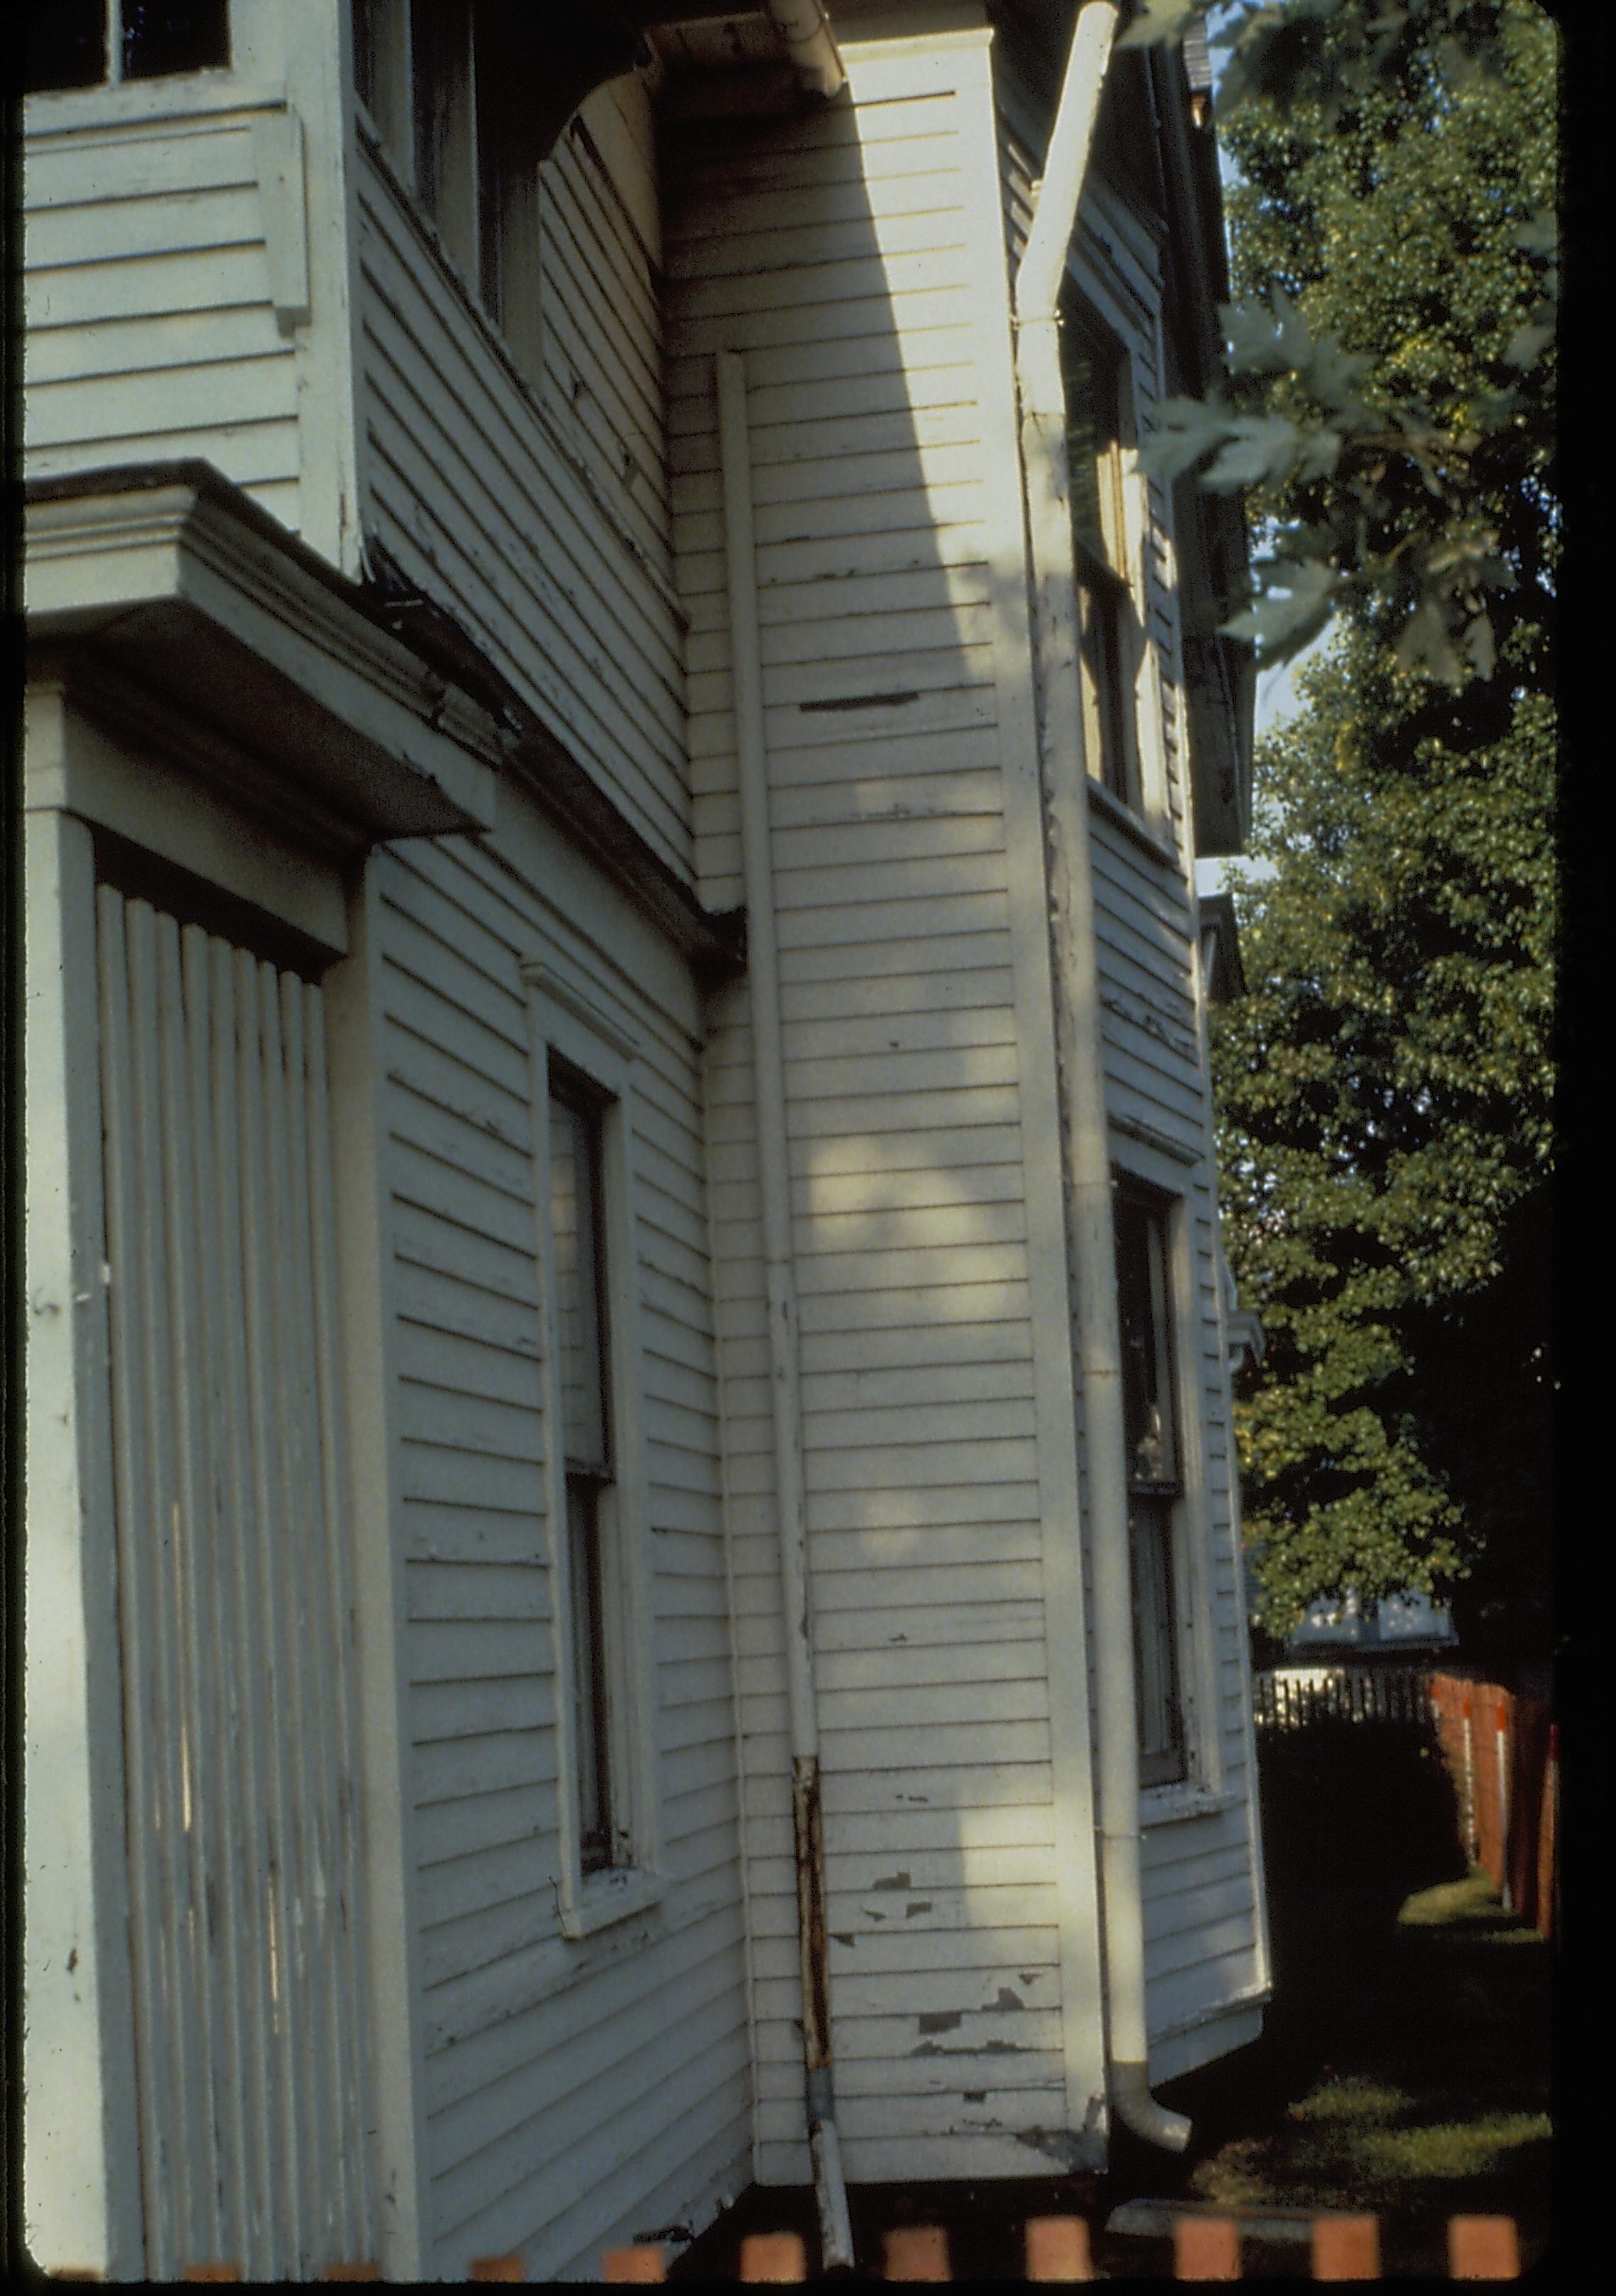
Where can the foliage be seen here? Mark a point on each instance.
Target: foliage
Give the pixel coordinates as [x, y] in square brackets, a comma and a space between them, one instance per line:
[1385, 1090]
[1385, 1094]
[1390, 396]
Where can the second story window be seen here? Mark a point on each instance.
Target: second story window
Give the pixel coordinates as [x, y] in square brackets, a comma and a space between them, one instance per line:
[89, 43]
[1097, 416]
[443, 82]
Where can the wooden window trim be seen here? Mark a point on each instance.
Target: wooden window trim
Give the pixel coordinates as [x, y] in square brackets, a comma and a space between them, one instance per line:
[461, 163]
[1111, 624]
[579, 1047]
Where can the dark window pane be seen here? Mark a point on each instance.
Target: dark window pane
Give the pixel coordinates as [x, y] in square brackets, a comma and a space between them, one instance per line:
[174, 36]
[579, 1248]
[589, 1724]
[1155, 1644]
[366, 35]
[63, 44]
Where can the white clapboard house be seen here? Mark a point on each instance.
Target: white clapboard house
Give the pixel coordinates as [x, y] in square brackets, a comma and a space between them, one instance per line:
[630, 1576]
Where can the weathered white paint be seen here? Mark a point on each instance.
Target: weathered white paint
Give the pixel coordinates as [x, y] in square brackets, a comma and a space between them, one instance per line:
[236, 1618]
[565, 2103]
[80, 2163]
[366, 1273]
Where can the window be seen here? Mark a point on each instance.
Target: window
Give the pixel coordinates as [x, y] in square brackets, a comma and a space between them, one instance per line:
[579, 1243]
[595, 1493]
[443, 81]
[86, 43]
[1155, 1482]
[1098, 414]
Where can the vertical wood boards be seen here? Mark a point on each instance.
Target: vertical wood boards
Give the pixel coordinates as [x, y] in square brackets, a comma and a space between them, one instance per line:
[571, 2085]
[236, 1613]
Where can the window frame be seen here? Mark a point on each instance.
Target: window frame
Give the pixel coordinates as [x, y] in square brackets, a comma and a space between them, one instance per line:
[481, 210]
[113, 74]
[1149, 1179]
[575, 1043]
[1129, 773]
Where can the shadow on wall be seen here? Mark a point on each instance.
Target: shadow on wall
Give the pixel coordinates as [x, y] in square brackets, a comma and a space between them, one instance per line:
[1356, 1818]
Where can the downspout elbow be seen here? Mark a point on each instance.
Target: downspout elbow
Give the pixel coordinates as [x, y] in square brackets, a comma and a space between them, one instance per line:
[1138, 2111]
[811, 45]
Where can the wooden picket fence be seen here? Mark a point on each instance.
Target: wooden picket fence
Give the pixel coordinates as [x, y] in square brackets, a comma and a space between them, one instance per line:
[1501, 1750]
[1290, 1697]
[1205, 2247]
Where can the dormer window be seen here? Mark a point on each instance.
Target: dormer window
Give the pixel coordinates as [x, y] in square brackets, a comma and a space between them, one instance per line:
[97, 43]
[443, 82]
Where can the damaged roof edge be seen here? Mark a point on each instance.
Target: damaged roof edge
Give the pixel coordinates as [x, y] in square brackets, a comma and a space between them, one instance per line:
[391, 707]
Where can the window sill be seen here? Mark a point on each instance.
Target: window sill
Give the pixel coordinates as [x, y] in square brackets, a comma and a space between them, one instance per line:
[1170, 1805]
[142, 102]
[602, 1899]
[1143, 833]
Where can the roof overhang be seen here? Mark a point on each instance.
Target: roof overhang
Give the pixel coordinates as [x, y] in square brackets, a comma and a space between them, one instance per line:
[175, 579]
[704, 57]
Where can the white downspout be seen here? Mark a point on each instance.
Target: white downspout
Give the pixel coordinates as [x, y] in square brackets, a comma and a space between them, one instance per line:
[768, 1073]
[1041, 385]
[806, 29]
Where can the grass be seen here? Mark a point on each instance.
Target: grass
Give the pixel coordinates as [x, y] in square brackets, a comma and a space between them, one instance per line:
[1405, 2067]
[1403, 2070]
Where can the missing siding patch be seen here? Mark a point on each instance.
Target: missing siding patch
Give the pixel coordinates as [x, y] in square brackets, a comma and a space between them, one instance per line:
[893, 1882]
[1008, 2000]
[857, 701]
[916, 1906]
[844, 1937]
[939, 2020]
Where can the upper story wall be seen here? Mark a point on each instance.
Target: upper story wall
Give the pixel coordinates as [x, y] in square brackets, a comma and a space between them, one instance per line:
[176, 301]
[512, 428]
[242, 260]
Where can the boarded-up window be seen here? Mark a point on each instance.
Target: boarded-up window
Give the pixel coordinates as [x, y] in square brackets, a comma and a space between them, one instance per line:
[235, 1613]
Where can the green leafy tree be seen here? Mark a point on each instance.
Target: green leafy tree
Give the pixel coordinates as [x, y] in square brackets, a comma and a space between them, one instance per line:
[1385, 1101]
[1389, 406]
[1385, 1090]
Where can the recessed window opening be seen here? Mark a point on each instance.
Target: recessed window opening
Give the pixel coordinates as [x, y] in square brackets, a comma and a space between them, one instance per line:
[1155, 1485]
[1097, 420]
[444, 82]
[91, 43]
[578, 1240]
